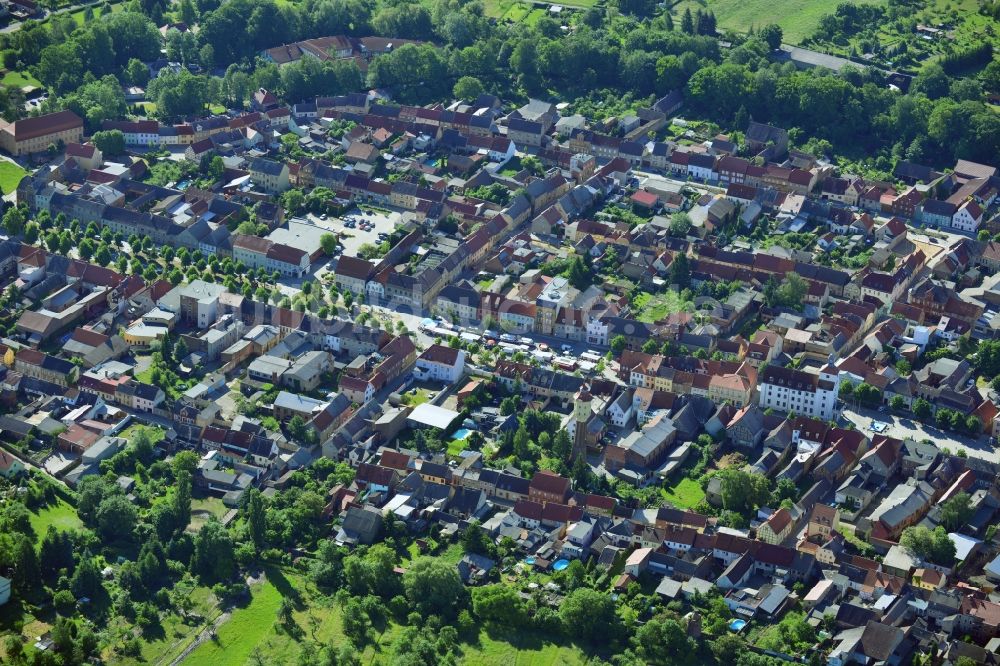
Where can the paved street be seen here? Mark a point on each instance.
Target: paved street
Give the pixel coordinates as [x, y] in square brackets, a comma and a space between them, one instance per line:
[903, 427]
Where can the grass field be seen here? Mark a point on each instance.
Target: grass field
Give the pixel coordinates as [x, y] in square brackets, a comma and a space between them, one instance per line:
[10, 175]
[163, 645]
[60, 515]
[19, 80]
[685, 493]
[78, 15]
[797, 18]
[455, 447]
[237, 638]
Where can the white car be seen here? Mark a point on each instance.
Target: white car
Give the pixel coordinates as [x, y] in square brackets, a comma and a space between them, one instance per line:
[566, 348]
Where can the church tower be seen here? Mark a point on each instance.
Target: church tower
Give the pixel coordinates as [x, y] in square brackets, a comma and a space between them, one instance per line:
[582, 413]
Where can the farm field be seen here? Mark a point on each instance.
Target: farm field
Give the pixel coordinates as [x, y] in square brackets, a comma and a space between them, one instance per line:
[797, 18]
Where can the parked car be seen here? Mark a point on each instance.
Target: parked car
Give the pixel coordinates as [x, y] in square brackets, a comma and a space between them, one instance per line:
[566, 348]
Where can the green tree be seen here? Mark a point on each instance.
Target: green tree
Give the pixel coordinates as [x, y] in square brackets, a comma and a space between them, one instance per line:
[499, 605]
[468, 88]
[213, 558]
[116, 518]
[743, 491]
[433, 587]
[680, 271]
[578, 273]
[922, 408]
[329, 243]
[14, 221]
[587, 615]
[664, 641]
[181, 503]
[934, 545]
[256, 519]
[687, 21]
[680, 224]
[618, 344]
[956, 511]
[771, 34]
[136, 73]
[109, 142]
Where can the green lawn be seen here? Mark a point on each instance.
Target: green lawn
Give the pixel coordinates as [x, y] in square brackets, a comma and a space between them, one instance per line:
[155, 434]
[521, 650]
[413, 399]
[685, 493]
[19, 80]
[203, 509]
[60, 515]
[453, 554]
[10, 175]
[456, 446]
[797, 18]
[654, 307]
[78, 15]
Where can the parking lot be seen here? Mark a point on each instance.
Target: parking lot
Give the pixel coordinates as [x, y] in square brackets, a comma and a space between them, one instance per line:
[354, 236]
[901, 427]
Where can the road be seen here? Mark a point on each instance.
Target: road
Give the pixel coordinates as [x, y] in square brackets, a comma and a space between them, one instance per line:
[902, 427]
[16, 25]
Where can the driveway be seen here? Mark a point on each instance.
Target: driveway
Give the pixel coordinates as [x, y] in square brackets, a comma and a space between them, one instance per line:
[906, 427]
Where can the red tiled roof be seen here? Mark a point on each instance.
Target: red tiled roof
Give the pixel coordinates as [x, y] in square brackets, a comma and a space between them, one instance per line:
[31, 128]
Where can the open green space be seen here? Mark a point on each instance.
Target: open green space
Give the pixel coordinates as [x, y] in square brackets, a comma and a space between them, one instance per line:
[60, 515]
[19, 80]
[516, 11]
[252, 635]
[155, 434]
[455, 447]
[797, 18]
[684, 494]
[162, 647]
[412, 399]
[78, 15]
[237, 638]
[654, 307]
[10, 175]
